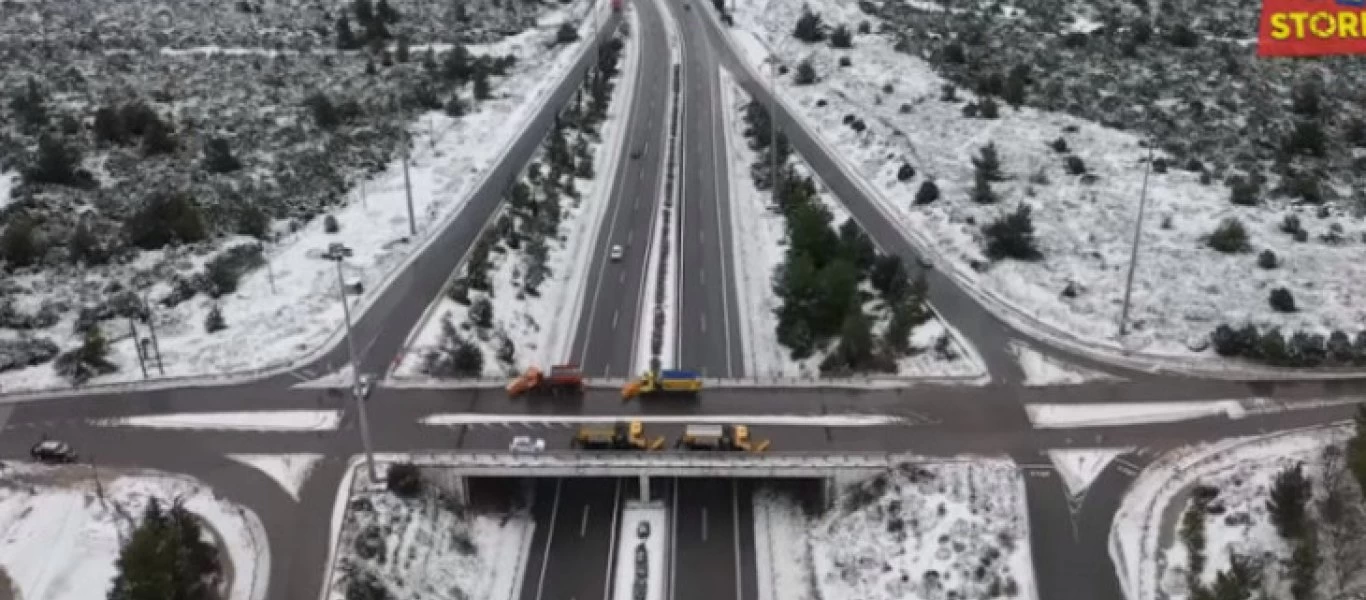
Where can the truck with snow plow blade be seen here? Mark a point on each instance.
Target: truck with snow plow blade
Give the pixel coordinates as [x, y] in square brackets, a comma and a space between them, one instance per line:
[675, 382]
[729, 438]
[619, 436]
[561, 380]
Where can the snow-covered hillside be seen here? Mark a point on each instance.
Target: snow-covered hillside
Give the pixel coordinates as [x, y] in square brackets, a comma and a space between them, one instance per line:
[302, 135]
[879, 107]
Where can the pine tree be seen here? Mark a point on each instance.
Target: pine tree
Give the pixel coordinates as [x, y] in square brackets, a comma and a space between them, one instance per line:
[87, 361]
[218, 157]
[166, 557]
[214, 321]
[346, 39]
[365, 12]
[481, 86]
[809, 27]
[1289, 495]
[56, 164]
[981, 189]
[1192, 533]
[888, 277]
[17, 244]
[158, 138]
[386, 12]
[31, 107]
[1012, 236]
[324, 112]
[481, 312]
[108, 126]
[988, 164]
[402, 52]
[928, 192]
[1304, 566]
[84, 247]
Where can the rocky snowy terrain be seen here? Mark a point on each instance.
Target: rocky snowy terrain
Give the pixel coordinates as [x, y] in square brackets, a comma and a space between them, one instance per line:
[152, 171]
[1252, 215]
[921, 531]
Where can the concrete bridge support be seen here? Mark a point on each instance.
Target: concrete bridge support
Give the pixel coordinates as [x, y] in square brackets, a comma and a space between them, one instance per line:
[829, 492]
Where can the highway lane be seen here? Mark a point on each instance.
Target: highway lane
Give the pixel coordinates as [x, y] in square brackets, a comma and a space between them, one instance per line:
[707, 559]
[708, 317]
[574, 560]
[605, 335]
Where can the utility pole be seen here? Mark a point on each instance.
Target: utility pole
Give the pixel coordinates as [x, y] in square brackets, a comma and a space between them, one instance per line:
[407, 185]
[137, 345]
[337, 253]
[151, 326]
[1133, 254]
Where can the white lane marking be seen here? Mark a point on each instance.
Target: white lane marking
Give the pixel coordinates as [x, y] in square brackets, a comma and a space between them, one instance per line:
[704, 523]
[550, 537]
[612, 542]
[704, 323]
[621, 277]
[615, 313]
[583, 523]
[735, 519]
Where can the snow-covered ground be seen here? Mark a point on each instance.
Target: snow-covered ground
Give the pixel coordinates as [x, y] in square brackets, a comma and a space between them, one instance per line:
[290, 308]
[541, 327]
[629, 545]
[760, 239]
[6, 183]
[1078, 468]
[430, 546]
[1182, 289]
[1150, 559]
[266, 420]
[60, 541]
[1042, 370]
[830, 420]
[919, 531]
[288, 470]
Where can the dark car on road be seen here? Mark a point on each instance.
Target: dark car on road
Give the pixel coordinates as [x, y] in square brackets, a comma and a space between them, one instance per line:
[52, 451]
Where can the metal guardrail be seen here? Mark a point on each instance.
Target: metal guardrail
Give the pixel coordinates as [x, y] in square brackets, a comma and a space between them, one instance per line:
[668, 463]
[605, 383]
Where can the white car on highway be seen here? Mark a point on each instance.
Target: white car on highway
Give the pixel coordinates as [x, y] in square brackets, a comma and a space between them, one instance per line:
[615, 253]
[525, 445]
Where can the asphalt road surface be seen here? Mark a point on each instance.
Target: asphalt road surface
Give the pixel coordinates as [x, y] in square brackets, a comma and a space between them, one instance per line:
[605, 337]
[708, 316]
[572, 551]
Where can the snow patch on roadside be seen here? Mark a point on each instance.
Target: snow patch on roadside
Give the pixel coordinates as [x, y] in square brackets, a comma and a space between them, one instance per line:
[431, 546]
[59, 511]
[918, 531]
[288, 470]
[1078, 468]
[266, 420]
[1042, 370]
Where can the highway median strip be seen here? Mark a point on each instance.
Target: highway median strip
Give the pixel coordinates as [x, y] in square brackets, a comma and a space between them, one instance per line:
[1112, 414]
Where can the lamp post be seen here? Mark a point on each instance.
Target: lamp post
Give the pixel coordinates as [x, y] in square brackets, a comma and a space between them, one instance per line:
[1133, 253]
[337, 252]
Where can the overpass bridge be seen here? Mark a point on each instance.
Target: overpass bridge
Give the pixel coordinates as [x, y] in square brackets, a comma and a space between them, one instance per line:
[643, 465]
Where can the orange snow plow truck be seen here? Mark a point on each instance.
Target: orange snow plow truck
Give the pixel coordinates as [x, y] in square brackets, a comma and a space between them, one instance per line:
[562, 380]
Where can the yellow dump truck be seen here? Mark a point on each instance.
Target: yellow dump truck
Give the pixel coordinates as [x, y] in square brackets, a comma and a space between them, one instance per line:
[667, 382]
[720, 437]
[619, 436]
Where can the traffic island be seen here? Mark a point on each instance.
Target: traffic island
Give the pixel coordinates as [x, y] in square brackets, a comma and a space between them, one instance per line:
[1276, 514]
[641, 545]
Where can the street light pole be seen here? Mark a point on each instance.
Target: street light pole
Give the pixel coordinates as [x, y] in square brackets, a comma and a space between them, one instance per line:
[337, 253]
[773, 127]
[1133, 254]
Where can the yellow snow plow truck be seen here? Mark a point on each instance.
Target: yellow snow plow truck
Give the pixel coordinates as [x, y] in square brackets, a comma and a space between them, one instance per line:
[620, 436]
